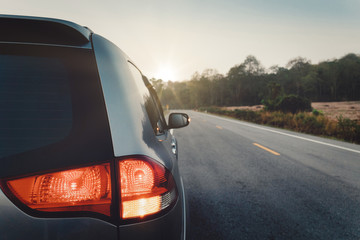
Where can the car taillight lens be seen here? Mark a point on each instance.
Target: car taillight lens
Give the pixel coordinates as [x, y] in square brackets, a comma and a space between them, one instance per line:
[146, 187]
[81, 189]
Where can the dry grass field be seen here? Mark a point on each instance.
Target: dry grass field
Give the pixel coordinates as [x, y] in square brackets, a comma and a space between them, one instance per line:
[331, 110]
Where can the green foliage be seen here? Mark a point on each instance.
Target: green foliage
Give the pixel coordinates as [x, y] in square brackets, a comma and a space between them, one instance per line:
[249, 83]
[272, 104]
[288, 103]
[293, 104]
[348, 129]
[248, 115]
[316, 112]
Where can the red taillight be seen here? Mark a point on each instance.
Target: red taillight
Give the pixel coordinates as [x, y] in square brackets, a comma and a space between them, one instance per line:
[81, 189]
[146, 187]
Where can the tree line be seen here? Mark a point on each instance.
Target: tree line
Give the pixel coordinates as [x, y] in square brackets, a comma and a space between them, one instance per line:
[249, 83]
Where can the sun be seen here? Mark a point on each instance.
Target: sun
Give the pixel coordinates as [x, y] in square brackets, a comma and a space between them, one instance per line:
[166, 73]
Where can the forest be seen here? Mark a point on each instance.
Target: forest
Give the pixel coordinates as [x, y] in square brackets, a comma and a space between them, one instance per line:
[249, 83]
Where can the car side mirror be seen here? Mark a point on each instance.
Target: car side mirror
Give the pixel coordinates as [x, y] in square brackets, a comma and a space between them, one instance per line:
[178, 120]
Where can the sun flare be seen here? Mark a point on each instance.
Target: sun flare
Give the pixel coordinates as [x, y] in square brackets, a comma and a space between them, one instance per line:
[166, 73]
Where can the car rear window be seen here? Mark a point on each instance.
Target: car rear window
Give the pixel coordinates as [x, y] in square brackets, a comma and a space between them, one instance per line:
[35, 103]
[52, 110]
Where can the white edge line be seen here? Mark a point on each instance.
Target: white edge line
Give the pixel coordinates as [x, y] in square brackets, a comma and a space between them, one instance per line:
[184, 209]
[286, 134]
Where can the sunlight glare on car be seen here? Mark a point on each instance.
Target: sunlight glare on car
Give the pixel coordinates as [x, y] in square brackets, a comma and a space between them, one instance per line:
[165, 72]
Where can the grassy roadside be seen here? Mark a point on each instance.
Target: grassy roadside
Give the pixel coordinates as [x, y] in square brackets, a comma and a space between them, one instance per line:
[306, 122]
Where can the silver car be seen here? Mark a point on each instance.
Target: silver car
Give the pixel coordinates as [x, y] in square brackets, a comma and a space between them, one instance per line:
[85, 150]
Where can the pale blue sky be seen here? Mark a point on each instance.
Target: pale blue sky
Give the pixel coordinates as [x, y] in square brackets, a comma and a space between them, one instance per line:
[187, 36]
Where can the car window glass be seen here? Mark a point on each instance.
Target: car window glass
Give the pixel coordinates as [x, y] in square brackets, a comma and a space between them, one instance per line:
[150, 104]
[35, 103]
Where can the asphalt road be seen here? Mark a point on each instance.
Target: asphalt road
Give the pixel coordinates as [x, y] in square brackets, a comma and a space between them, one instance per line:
[298, 187]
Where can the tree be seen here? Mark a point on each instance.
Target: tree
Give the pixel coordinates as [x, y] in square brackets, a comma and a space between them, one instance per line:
[248, 83]
[298, 68]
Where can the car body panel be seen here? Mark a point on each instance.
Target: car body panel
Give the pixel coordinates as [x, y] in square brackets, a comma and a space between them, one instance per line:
[15, 224]
[123, 101]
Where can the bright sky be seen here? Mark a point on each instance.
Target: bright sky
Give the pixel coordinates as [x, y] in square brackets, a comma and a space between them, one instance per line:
[173, 39]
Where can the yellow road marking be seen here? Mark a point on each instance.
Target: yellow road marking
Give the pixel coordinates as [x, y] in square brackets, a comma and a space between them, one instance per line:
[266, 149]
[218, 127]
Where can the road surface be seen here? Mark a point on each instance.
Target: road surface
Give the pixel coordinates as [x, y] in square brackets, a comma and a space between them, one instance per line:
[246, 181]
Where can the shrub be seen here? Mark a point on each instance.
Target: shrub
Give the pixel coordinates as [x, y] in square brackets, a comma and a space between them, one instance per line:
[288, 103]
[293, 104]
[240, 114]
[248, 115]
[271, 104]
[348, 129]
[317, 112]
[253, 116]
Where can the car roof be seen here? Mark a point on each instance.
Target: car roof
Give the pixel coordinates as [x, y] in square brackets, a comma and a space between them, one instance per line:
[39, 30]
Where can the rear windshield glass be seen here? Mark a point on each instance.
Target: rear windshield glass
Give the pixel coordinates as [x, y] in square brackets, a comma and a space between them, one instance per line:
[35, 103]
